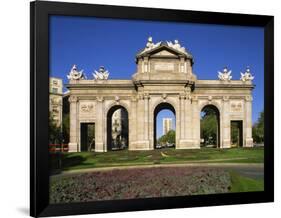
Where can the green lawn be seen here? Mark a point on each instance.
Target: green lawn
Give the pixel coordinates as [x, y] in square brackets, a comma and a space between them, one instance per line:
[244, 184]
[83, 160]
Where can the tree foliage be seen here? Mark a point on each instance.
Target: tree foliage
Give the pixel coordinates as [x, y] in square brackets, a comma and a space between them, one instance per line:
[209, 126]
[234, 134]
[55, 135]
[169, 137]
[258, 129]
[65, 128]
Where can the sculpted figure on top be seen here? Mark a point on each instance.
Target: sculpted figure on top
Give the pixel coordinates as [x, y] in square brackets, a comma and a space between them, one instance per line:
[102, 74]
[176, 45]
[225, 75]
[247, 76]
[74, 74]
[150, 45]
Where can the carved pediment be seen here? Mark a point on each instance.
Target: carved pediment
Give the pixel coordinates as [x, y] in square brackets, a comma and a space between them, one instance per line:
[162, 50]
[164, 53]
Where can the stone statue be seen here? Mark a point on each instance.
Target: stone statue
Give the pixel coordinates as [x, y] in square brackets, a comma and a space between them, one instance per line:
[150, 45]
[176, 46]
[225, 75]
[247, 76]
[102, 74]
[74, 74]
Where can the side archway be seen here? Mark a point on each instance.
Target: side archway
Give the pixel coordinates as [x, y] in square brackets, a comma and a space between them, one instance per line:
[117, 119]
[210, 126]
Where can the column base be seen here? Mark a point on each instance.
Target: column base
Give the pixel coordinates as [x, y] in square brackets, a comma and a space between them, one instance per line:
[188, 144]
[100, 151]
[249, 143]
[99, 147]
[139, 145]
[226, 144]
[72, 147]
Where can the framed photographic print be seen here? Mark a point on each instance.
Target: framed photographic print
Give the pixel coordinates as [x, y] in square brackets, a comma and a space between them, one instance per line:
[142, 109]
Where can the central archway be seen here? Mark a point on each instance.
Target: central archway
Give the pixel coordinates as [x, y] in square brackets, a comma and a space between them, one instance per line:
[159, 108]
[117, 128]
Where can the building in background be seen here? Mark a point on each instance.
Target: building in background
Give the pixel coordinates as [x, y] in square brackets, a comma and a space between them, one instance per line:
[167, 125]
[119, 129]
[55, 99]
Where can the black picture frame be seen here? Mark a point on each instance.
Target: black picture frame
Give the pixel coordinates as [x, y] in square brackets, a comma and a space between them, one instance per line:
[39, 106]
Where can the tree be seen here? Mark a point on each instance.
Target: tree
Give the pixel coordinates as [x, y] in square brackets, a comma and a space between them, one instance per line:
[209, 126]
[169, 137]
[65, 128]
[55, 135]
[234, 133]
[258, 129]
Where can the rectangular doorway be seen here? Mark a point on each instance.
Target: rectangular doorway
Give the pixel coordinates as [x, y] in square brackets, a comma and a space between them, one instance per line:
[236, 133]
[87, 134]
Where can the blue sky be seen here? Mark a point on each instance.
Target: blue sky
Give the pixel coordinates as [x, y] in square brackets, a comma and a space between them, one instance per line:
[91, 42]
[159, 124]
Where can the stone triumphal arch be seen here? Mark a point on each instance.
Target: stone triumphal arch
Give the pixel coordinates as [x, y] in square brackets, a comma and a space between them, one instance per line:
[164, 77]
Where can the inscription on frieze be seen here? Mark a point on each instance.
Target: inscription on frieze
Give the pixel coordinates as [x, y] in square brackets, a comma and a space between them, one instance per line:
[164, 66]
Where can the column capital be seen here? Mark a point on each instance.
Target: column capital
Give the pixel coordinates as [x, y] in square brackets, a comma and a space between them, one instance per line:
[248, 98]
[134, 98]
[194, 98]
[140, 96]
[72, 99]
[146, 96]
[188, 96]
[182, 96]
[225, 98]
[100, 98]
[187, 89]
[117, 99]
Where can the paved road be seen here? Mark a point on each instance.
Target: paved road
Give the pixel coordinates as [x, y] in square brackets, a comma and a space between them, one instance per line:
[252, 171]
[255, 171]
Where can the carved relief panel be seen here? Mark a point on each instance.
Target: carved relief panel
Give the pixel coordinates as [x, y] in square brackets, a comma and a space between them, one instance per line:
[87, 109]
[236, 106]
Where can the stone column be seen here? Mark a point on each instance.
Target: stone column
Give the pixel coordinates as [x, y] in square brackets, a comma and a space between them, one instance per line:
[182, 66]
[182, 116]
[225, 124]
[185, 126]
[195, 123]
[188, 67]
[146, 117]
[248, 120]
[145, 65]
[99, 127]
[142, 142]
[133, 124]
[188, 116]
[140, 118]
[73, 119]
[178, 120]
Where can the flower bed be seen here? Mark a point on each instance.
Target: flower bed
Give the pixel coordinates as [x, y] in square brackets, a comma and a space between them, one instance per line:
[138, 183]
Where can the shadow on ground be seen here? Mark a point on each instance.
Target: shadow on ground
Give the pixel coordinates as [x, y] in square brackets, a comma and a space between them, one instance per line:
[23, 211]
